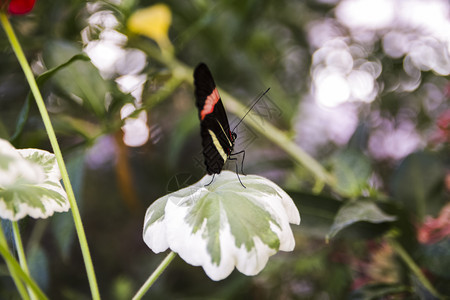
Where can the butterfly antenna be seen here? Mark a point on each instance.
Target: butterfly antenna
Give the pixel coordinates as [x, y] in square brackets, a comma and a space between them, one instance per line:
[257, 100]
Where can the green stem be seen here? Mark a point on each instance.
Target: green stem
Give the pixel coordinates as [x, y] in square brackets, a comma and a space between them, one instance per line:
[4, 248]
[19, 246]
[13, 266]
[155, 275]
[55, 146]
[413, 267]
[21, 253]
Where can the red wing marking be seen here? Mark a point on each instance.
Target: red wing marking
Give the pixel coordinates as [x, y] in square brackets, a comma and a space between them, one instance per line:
[210, 101]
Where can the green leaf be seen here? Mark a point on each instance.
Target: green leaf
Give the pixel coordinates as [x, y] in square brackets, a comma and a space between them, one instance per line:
[357, 211]
[351, 169]
[21, 119]
[40, 80]
[80, 81]
[69, 125]
[318, 212]
[222, 225]
[418, 184]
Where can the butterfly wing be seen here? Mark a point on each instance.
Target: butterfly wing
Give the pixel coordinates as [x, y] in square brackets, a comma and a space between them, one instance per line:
[217, 140]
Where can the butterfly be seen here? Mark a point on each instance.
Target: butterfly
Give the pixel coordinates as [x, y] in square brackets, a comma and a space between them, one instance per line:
[217, 138]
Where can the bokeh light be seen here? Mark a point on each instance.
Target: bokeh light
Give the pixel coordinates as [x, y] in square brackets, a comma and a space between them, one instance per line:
[344, 71]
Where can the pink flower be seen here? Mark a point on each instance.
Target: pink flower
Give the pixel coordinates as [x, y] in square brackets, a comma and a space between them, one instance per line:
[442, 134]
[435, 229]
[443, 122]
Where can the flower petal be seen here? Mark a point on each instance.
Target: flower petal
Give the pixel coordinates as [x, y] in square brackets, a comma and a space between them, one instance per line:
[153, 22]
[222, 225]
[34, 186]
[154, 233]
[20, 7]
[13, 167]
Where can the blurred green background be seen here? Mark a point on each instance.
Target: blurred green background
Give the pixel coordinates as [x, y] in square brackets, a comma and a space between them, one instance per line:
[362, 86]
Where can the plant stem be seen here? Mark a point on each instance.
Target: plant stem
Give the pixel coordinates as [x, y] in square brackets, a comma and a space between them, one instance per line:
[55, 146]
[13, 266]
[19, 246]
[413, 267]
[155, 275]
[21, 253]
[4, 245]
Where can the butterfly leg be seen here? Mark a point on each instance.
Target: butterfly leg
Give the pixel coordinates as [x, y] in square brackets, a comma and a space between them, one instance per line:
[211, 180]
[242, 162]
[237, 173]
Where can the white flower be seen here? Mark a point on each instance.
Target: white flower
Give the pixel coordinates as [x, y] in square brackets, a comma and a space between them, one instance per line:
[29, 183]
[223, 225]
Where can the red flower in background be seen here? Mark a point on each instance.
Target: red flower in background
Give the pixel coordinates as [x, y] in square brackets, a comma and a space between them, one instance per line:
[443, 123]
[19, 7]
[435, 229]
[442, 133]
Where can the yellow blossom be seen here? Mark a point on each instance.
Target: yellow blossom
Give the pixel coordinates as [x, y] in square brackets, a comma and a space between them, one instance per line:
[153, 22]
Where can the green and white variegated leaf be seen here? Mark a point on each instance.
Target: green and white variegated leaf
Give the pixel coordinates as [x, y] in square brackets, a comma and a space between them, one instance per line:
[13, 168]
[223, 225]
[29, 184]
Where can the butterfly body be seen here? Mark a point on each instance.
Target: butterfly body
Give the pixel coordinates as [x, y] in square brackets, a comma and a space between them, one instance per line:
[217, 138]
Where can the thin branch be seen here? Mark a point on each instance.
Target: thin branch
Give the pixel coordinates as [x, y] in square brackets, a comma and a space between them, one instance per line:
[16, 272]
[413, 267]
[155, 275]
[21, 253]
